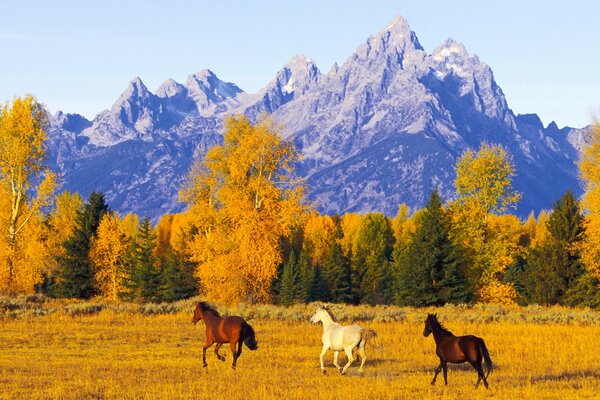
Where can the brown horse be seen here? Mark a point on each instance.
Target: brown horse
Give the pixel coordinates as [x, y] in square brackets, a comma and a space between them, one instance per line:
[457, 350]
[232, 330]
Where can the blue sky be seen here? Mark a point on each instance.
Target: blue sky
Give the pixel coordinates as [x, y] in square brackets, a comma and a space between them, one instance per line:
[78, 56]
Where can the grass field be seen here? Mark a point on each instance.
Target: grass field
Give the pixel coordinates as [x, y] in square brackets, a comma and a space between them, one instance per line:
[112, 354]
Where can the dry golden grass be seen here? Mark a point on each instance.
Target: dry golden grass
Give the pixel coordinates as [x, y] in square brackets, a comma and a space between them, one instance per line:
[122, 355]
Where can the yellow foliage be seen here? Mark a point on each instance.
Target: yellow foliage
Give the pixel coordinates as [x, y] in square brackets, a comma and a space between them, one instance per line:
[22, 174]
[242, 200]
[590, 245]
[403, 227]
[490, 243]
[351, 224]
[319, 233]
[589, 168]
[29, 258]
[484, 178]
[109, 247]
[61, 222]
[497, 292]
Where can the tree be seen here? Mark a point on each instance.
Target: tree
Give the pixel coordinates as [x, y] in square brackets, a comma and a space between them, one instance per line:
[429, 270]
[243, 199]
[371, 257]
[318, 289]
[485, 179]
[76, 275]
[25, 185]
[589, 169]
[338, 274]
[554, 267]
[319, 232]
[142, 277]
[291, 291]
[177, 280]
[108, 256]
[489, 242]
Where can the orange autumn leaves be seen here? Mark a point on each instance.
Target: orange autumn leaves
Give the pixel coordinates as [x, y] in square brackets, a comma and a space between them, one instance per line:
[25, 187]
[242, 200]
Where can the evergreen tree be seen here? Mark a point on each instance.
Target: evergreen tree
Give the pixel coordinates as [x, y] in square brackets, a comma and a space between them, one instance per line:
[142, 281]
[373, 250]
[319, 289]
[306, 274]
[554, 267]
[76, 277]
[429, 270]
[176, 277]
[338, 274]
[291, 290]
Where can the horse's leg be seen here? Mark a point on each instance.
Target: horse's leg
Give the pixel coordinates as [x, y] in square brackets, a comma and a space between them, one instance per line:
[348, 352]
[323, 352]
[232, 345]
[481, 376]
[363, 358]
[217, 347]
[208, 343]
[435, 374]
[335, 360]
[445, 369]
[239, 350]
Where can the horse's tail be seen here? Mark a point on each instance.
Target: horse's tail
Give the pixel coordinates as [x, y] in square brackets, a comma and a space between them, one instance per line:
[366, 334]
[249, 336]
[486, 357]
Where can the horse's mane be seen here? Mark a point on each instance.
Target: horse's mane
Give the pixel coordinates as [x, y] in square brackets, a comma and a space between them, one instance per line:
[432, 318]
[330, 313]
[206, 307]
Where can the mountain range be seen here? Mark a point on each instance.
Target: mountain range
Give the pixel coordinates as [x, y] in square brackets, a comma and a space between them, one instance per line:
[385, 127]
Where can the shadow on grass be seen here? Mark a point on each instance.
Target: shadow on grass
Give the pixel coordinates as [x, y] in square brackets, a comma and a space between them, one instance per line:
[571, 375]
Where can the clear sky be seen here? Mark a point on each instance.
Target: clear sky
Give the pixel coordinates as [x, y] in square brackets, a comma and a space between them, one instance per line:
[78, 56]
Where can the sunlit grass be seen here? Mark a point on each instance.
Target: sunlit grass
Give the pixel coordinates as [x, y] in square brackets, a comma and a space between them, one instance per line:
[125, 355]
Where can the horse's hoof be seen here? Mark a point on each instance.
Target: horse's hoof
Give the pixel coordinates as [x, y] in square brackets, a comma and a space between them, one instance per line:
[222, 358]
[233, 366]
[205, 365]
[343, 372]
[323, 371]
[432, 383]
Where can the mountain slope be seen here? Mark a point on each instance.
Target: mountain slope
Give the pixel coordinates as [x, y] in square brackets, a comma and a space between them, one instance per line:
[385, 127]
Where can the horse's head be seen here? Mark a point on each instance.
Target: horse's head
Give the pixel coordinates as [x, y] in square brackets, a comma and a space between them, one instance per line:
[427, 329]
[197, 314]
[318, 315]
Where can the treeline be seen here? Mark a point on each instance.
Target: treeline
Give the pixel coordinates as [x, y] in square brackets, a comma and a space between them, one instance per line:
[418, 260]
[102, 254]
[248, 234]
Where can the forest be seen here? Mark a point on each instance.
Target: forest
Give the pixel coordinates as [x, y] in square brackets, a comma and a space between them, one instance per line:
[248, 234]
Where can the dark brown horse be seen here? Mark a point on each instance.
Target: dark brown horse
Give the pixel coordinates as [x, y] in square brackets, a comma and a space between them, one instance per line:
[457, 350]
[232, 330]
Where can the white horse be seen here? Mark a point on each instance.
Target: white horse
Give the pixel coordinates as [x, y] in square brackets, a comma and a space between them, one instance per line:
[338, 338]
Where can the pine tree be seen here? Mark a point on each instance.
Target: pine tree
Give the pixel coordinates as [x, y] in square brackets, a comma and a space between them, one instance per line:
[429, 272]
[319, 288]
[176, 278]
[554, 267]
[373, 250]
[291, 291]
[338, 274]
[142, 281]
[306, 274]
[76, 276]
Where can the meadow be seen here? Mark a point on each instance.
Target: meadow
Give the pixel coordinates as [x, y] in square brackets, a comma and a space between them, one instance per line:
[71, 350]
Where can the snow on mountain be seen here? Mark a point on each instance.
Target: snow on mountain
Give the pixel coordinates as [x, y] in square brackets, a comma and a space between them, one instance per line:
[384, 127]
